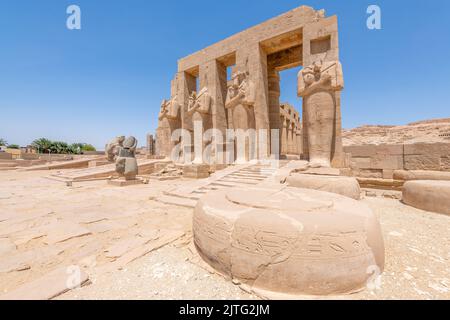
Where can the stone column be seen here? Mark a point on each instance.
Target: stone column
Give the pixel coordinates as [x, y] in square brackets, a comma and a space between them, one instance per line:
[186, 85]
[290, 142]
[274, 102]
[150, 145]
[253, 59]
[213, 75]
[321, 45]
[284, 137]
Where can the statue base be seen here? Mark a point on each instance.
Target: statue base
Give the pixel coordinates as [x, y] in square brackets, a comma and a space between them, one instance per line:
[322, 171]
[124, 183]
[196, 171]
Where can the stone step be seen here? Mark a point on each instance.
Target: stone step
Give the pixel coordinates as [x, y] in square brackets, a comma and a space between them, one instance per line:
[174, 194]
[7, 165]
[242, 181]
[224, 184]
[257, 171]
[177, 201]
[247, 175]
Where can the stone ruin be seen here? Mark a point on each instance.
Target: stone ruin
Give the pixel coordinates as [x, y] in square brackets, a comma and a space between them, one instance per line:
[201, 93]
[122, 151]
[275, 239]
[307, 232]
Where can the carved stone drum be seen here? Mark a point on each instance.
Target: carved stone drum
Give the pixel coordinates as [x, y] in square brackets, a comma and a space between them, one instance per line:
[280, 241]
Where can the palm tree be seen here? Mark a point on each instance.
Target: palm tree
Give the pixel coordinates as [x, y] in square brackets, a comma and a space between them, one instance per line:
[42, 145]
[76, 148]
[3, 142]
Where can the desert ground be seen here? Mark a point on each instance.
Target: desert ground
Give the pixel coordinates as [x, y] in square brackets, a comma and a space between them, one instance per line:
[134, 247]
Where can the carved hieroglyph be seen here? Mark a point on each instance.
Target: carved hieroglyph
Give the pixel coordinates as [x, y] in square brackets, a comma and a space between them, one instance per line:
[317, 85]
[283, 240]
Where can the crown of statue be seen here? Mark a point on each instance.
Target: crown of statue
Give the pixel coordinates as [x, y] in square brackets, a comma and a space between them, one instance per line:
[308, 70]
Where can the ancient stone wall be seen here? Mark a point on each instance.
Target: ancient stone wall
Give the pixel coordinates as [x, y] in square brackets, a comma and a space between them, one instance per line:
[380, 161]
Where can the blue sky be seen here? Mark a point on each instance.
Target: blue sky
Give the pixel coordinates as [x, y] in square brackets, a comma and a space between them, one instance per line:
[109, 77]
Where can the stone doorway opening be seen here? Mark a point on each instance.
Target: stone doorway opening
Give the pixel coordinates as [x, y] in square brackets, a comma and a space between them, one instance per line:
[284, 61]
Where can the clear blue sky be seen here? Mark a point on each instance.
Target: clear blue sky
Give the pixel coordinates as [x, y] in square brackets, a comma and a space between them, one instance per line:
[110, 77]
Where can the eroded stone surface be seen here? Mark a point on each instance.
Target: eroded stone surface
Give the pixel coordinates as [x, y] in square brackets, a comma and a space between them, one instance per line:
[49, 286]
[6, 246]
[289, 240]
[65, 231]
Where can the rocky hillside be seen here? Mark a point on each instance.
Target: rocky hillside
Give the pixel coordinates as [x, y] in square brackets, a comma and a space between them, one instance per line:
[430, 131]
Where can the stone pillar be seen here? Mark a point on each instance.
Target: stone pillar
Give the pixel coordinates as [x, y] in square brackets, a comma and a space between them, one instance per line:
[290, 138]
[186, 85]
[253, 59]
[213, 76]
[274, 102]
[321, 45]
[284, 136]
[150, 145]
[299, 142]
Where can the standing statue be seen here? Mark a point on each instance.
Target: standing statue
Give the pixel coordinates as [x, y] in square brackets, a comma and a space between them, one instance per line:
[170, 109]
[113, 147]
[126, 164]
[199, 107]
[199, 102]
[240, 104]
[169, 121]
[240, 91]
[317, 85]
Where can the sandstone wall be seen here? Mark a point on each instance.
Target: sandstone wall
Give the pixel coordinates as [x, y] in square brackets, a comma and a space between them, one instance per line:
[380, 161]
[5, 156]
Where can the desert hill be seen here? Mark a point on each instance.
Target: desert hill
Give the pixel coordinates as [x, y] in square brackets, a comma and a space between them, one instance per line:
[430, 131]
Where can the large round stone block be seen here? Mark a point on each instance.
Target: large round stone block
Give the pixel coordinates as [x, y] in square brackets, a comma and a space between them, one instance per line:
[431, 196]
[281, 240]
[345, 186]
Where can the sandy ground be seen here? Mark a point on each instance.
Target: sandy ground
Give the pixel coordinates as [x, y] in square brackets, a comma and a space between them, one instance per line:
[45, 225]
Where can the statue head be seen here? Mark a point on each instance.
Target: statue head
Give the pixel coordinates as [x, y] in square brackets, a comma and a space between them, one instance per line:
[308, 75]
[130, 143]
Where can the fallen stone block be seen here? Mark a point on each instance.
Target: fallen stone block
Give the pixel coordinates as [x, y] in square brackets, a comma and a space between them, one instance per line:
[421, 175]
[345, 186]
[428, 195]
